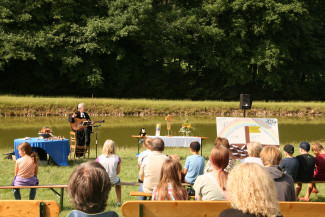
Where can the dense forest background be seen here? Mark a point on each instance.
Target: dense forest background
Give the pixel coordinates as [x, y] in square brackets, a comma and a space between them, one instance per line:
[192, 49]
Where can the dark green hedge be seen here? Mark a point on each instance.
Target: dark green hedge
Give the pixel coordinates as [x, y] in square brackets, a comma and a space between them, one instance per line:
[209, 49]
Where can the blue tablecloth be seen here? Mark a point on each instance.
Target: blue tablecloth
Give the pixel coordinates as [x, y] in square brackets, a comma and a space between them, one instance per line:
[58, 150]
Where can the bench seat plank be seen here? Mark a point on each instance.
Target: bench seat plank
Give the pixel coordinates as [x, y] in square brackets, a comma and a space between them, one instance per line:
[28, 208]
[212, 208]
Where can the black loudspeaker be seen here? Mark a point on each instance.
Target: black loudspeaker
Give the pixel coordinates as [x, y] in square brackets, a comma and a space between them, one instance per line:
[245, 101]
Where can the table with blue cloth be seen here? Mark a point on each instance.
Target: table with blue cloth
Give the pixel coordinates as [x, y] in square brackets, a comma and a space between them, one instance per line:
[58, 150]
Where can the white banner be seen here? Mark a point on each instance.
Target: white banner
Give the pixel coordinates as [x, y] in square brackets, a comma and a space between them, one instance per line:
[263, 130]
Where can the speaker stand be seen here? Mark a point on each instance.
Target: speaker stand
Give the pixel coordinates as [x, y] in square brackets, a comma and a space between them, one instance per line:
[244, 113]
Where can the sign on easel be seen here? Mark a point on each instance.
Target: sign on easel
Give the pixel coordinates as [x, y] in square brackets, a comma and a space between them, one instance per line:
[245, 130]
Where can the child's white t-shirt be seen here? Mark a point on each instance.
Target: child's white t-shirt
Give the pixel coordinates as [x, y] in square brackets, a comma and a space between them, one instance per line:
[110, 164]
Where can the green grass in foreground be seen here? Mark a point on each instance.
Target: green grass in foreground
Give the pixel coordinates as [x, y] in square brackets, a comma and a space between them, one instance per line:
[52, 174]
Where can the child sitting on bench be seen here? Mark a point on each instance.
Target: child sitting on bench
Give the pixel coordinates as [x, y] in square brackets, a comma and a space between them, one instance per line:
[26, 170]
[112, 164]
[319, 172]
[170, 187]
[194, 164]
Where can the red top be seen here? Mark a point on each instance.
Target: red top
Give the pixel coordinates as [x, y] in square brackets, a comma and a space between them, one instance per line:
[319, 173]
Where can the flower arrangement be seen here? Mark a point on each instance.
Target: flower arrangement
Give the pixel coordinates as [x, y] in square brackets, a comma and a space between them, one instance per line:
[186, 126]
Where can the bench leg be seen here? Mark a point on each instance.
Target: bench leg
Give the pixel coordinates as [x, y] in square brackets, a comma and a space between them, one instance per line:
[60, 196]
[140, 210]
[61, 199]
[42, 209]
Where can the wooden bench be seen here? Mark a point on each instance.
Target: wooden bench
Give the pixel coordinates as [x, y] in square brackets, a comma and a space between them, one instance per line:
[210, 208]
[51, 187]
[137, 193]
[42, 208]
[62, 187]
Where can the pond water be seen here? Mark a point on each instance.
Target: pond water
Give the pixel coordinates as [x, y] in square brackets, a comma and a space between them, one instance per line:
[120, 129]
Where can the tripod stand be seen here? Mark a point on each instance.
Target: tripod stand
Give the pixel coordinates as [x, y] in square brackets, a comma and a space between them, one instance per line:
[96, 132]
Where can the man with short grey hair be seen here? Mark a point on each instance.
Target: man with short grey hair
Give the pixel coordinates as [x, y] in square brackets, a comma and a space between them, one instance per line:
[82, 135]
[151, 167]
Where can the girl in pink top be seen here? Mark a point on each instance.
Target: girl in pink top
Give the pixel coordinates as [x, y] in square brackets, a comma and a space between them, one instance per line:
[26, 170]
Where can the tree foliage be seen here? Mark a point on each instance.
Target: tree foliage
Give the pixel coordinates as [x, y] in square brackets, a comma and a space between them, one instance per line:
[199, 49]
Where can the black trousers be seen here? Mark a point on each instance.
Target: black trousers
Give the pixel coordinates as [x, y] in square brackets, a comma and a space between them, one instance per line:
[83, 138]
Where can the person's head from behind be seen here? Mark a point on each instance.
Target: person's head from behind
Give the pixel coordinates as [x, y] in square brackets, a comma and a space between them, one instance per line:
[304, 147]
[252, 190]
[157, 145]
[175, 157]
[219, 158]
[254, 149]
[288, 150]
[270, 156]
[25, 148]
[317, 148]
[88, 187]
[147, 143]
[109, 147]
[195, 146]
[222, 141]
[170, 173]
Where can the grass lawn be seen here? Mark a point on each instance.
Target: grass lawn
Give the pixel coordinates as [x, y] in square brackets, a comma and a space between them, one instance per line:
[53, 174]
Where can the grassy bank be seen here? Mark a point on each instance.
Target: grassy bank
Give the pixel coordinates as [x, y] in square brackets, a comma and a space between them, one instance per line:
[52, 174]
[61, 106]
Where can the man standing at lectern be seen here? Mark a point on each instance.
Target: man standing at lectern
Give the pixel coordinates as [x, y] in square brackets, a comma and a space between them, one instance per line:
[83, 135]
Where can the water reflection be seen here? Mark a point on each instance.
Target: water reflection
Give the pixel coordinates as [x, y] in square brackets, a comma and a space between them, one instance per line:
[120, 129]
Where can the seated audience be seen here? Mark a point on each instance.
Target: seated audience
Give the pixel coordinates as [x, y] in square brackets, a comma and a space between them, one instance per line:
[289, 165]
[112, 164]
[271, 157]
[88, 188]
[306, 168]
[170, 187]
[232, 161]
[144, 154]
[252, 192]
[151, 167]
[212, 185]
[253, 150]
[194, 164]
[319, 172]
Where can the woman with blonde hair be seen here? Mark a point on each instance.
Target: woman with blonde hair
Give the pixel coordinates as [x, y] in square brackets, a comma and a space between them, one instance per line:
[252, 192]
[112, 164]
[212, 185]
